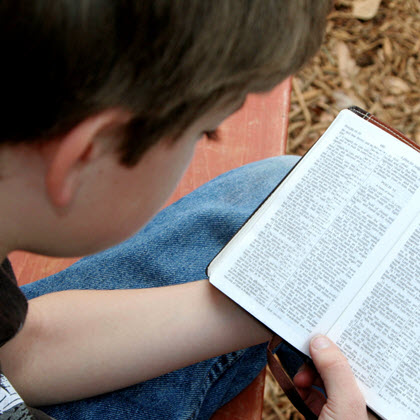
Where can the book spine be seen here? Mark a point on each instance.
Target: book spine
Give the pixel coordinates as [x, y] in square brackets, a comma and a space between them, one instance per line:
[371, 118]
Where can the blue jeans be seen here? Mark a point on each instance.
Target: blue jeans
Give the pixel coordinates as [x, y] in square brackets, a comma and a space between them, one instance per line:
[175, 247]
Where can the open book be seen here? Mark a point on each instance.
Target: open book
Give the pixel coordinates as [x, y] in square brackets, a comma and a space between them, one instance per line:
[335, 249]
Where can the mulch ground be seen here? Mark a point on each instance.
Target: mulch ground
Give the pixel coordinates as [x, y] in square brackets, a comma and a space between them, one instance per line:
[370, 58]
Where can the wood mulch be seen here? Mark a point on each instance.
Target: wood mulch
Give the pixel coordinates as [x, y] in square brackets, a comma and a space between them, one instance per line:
[370, 58]
[372, 63]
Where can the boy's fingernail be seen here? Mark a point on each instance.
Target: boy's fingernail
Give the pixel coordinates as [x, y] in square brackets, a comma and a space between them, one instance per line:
[320, 342]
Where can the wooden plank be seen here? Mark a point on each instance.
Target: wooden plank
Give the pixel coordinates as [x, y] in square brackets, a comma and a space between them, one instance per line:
[248, 405]
[31, 267]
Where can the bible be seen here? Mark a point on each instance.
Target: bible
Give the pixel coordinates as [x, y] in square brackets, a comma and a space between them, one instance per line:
[335, 250]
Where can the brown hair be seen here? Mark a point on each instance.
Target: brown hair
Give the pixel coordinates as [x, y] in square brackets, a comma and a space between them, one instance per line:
[166, 61]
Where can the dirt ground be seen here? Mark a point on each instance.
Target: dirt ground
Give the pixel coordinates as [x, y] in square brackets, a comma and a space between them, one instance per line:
[370, 58]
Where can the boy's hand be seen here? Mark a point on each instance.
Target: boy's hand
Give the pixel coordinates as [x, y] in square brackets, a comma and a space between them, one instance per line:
[345, 401]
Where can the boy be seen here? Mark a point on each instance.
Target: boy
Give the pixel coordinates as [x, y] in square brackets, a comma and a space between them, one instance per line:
[102, 104]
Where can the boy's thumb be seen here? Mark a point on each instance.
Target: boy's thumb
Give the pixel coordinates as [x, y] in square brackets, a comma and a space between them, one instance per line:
[344, 399]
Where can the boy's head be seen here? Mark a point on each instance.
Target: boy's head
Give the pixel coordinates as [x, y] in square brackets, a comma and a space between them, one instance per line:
[83, 78]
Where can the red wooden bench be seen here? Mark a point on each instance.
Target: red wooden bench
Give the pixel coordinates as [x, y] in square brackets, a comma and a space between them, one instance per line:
[257, 131]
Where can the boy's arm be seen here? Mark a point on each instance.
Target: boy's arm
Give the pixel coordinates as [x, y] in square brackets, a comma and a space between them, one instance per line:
[81, 343]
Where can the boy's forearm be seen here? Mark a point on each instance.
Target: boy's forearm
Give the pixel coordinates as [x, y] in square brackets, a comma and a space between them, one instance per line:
[77, 344]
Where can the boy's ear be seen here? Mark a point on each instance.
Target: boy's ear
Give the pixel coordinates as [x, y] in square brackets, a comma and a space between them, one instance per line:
[71, 153]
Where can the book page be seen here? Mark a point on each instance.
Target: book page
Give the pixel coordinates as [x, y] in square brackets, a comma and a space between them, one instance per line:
[380, 332]
[316, 240]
